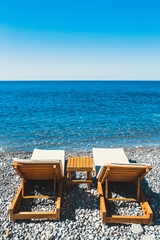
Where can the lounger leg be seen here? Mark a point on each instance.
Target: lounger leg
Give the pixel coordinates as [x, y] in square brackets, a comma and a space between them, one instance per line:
[106, 190]
[138, 189]
[54, 190]
[23, 182]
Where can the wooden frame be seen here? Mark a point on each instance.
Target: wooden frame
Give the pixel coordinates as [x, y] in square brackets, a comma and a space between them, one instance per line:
[75, 164]
[37, 172]
[129, 173]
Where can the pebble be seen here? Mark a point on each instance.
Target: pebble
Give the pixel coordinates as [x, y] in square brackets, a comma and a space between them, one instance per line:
[16, 238]
[151, 228]
[91, 237]
[137, 228]
[148, 237]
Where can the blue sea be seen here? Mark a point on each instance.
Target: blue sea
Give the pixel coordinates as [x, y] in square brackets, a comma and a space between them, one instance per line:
[79, 115]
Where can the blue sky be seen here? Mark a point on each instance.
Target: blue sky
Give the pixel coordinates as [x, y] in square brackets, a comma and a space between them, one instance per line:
[80, 40]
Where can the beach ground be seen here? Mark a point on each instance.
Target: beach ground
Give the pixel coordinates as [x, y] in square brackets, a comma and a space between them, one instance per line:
[80, 213]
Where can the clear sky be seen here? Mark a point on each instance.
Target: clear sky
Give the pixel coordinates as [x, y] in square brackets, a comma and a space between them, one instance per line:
[80, 40]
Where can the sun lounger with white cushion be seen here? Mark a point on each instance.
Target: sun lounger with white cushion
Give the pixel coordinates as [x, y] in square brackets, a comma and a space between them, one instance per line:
[112, 165]
[43, 165]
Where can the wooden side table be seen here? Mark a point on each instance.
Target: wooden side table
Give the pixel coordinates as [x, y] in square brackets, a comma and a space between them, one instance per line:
[79, 164]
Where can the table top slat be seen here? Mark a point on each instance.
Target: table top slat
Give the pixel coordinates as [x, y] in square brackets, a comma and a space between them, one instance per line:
[79, 163]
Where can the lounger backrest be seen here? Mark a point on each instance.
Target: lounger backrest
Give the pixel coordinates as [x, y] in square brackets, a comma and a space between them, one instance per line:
[119, 168]
[104, 156]
[123, 173]
[38, 171]
[42, 165]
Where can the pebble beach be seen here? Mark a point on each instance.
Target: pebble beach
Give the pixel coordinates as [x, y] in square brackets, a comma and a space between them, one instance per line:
[80, 211]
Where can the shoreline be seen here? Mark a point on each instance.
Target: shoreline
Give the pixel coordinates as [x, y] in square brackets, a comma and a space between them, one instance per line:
[5, 150]
[80, 214]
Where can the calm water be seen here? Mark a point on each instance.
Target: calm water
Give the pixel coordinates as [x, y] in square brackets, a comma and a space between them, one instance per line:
[79, 115]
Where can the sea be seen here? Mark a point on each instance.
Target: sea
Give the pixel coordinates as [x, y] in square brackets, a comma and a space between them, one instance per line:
[79, 115]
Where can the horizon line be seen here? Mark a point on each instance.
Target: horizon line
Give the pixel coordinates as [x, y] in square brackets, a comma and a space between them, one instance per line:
[80, 80]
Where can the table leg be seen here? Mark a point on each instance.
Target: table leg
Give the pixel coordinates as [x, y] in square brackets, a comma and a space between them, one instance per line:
[89, 177]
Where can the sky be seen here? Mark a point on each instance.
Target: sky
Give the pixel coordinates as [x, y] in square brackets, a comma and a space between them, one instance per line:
[80, 40]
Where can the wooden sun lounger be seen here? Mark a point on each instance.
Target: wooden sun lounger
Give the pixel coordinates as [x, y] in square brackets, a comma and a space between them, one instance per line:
[43, 165]
[119, 169]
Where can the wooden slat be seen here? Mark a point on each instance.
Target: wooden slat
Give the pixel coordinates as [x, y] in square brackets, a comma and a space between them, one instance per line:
[80, 181]
[105, 175]
[88, 162]
[68, 163]
[16, 201]
[58, 206]
[22, 187]
[138, 189]
[146, 204]
[40, 168]
[102, 203]
[121, 179]
[82, 162]
[127, 219]
[127, 166]
[34, 215]
[78, 160]
[41, 196]
[72, 161]
[106, 189]
[100, 191]
[79, 169]
[122, 199]
[35, 166]
[54, 190]
[143, 174]
[94, 166]
[143, 208]
[113, 171]
[17, 170]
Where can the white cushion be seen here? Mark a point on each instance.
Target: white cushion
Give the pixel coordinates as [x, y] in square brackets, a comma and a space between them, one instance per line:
[104, 156]
[39, 154]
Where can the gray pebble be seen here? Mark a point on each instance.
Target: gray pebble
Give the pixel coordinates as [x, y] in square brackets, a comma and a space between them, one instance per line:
[137, 228]
[148, 237]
